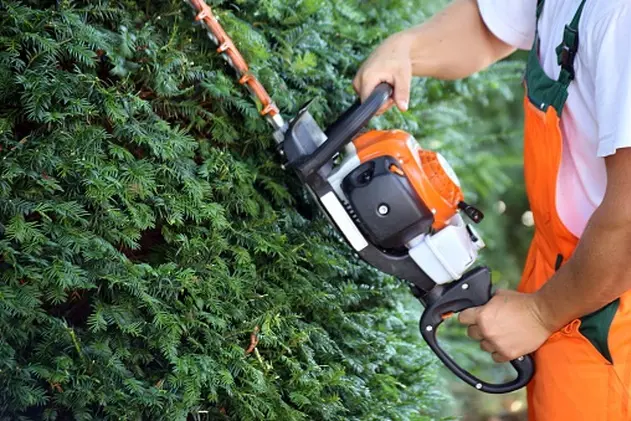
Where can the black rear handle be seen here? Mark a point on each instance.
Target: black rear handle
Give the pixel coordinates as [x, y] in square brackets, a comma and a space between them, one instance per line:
[472, 290]
[347, 126]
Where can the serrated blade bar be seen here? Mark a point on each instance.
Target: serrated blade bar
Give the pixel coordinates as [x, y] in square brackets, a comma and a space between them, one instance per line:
[227, 49]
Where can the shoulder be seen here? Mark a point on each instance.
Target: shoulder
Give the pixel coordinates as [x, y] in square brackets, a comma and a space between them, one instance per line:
[595, 11]
[512, 21]
[604, 34]
[605, 17]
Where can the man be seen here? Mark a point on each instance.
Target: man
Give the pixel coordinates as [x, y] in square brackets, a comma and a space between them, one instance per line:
[573, 306]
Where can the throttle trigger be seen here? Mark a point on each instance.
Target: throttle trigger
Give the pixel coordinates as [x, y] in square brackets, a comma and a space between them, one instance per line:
[447, 315]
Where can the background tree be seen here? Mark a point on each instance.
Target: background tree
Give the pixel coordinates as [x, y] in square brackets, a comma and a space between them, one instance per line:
[156, 263]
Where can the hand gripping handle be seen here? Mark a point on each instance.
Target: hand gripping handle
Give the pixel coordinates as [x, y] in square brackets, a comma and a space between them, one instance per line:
[472, 290]
[347, 125]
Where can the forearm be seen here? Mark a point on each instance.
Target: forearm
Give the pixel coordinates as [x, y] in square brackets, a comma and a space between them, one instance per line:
[453, 44]
[598, 272]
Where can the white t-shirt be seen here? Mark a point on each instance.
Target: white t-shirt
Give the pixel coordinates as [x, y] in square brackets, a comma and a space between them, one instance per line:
[596, 119]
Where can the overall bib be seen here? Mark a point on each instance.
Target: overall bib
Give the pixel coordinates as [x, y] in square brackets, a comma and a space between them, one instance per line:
[583, 371]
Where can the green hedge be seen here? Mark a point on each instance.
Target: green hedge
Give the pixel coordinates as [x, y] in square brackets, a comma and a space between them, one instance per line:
[148, 237]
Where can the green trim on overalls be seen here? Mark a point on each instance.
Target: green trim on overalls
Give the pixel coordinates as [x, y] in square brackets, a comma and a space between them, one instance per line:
[546, 92]
[595, 327]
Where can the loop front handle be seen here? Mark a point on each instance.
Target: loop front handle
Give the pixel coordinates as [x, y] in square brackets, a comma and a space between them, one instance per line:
[472, 290]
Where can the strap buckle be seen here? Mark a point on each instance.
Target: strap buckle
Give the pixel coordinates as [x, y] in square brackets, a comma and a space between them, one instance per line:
[567, 50]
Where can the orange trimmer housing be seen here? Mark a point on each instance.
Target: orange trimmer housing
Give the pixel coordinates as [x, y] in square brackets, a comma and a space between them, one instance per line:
[427, 175]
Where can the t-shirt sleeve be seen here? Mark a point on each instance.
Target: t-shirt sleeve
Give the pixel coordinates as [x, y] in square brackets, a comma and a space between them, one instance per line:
[512, 21]
[610, 65]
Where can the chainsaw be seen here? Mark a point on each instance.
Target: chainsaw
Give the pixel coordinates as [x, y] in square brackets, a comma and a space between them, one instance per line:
[400, 207]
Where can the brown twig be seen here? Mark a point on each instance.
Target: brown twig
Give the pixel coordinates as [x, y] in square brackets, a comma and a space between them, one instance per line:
[57, 387]
[254, 340]
[11, 149]
[75, 296]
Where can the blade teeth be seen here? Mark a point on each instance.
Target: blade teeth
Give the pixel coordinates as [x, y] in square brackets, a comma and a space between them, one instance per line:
[213, 38]
[228, 60]
[203, 14]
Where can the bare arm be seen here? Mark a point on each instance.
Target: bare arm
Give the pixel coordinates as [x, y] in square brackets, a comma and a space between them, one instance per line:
[599, 271]
[453, 44]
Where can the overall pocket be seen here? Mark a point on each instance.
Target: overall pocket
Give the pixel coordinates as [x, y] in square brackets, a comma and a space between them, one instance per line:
[595, 328]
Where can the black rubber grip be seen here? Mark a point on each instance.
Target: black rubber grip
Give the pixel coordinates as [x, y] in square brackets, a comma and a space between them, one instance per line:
[348, 125]
[472, 290]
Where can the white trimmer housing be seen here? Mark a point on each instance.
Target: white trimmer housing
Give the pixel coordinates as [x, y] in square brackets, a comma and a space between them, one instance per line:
[446, 255]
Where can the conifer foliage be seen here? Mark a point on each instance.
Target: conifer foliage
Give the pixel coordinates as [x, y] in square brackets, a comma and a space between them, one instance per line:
[155, 261]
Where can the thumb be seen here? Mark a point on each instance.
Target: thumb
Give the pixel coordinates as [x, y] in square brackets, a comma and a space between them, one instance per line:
[502, 292]
[402, 82]
[469, 316]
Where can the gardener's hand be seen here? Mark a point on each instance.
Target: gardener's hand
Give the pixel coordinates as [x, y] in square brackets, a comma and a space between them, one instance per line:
[509, 326]
[390, 63]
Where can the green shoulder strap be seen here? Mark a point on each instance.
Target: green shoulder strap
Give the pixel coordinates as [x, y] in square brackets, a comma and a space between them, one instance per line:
[566, 51]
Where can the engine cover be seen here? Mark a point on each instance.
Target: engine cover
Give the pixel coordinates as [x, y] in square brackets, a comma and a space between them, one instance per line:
[385, 204]
[428, 173]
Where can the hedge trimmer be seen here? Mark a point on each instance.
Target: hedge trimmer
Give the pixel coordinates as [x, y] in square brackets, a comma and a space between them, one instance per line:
[400, 207]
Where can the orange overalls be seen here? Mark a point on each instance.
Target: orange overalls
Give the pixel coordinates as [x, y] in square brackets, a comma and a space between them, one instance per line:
[583, 372]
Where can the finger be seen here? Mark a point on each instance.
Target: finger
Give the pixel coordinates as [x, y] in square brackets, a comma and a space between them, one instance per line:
[367, 85]
[499, 358]
[402, 82]
[468, 316]
[474, 332]
[506, 292]
[356, 86]
[357, 81]
[386, 106]
[487, 346]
